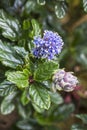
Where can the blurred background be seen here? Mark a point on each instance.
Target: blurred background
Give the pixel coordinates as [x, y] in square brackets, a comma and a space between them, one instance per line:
[69, 19]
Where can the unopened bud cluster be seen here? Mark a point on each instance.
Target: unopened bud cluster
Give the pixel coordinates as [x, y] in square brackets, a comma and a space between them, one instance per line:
[64, 81]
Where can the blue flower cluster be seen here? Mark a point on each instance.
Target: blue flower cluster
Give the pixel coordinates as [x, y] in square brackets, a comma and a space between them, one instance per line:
[48, 46]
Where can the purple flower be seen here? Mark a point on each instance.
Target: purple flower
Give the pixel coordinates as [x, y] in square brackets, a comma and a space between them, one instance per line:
[48, 46]
[64, 81]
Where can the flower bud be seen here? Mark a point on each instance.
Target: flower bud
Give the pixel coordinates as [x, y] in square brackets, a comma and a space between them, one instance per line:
[64, 81]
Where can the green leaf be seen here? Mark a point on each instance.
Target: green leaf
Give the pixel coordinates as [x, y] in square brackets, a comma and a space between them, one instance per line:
[78, 127]
[26, 24]
[56, 98]
[20, 78]
[29, 6]
[24, 98]
[21, 51]
[45, 71]
[82, 56]
[43, 119]
[8, 55]
[83, 117]
[22, 111]
[25, 125]
[41, 2]
[39, 95]
[65, 111]
[38, 108]
[6, 88]
[85, 5]
[60, 9]
[7, 106]
[61, 112]
[9, 26]
[36, 28]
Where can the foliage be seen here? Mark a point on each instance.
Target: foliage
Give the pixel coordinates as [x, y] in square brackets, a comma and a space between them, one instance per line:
[26, 81]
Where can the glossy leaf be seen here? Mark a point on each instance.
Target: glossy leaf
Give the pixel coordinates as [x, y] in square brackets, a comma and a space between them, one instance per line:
[85, 5]
[38, 108]
[26, 24]
[41, 2]
[36, 28]
[6, 88]
[9, 26]
[78, 127]
[20, 78]
[24, 125]
[66, 110]
[29, 6]
[22, 111]
[56, 98]
[24, 98]
[18, 3]
[39, 95]
[61, 113]
[27, 124]
[7, 106]
[8, 56]
[21, 51]
[45, 71]
[83, 117]
[43, 119]
[60, 9]
[82, 56]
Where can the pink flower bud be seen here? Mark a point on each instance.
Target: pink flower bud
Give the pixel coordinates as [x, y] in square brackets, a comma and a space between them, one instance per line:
[64, 80]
